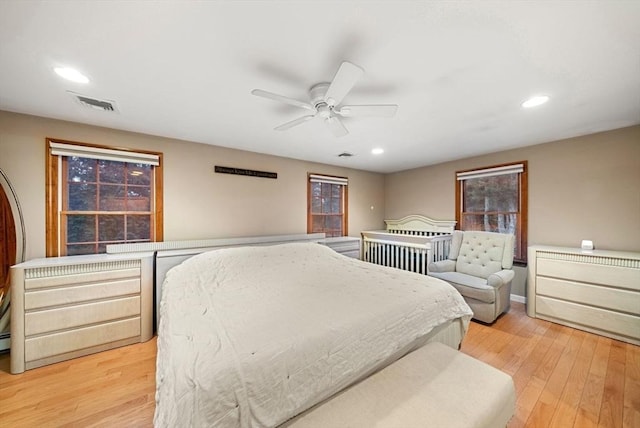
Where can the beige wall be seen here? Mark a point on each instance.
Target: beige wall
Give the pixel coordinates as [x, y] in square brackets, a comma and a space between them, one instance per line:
[197, 202]
[580, 188]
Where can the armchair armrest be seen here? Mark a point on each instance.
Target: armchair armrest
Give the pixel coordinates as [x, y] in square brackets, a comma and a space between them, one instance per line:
[442, 266]
[500, 278]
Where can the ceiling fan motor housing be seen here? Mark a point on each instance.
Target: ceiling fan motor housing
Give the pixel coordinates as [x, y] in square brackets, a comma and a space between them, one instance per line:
[317, 93]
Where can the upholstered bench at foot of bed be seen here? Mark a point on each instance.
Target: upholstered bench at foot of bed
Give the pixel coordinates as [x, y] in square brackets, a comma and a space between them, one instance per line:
[434, 386]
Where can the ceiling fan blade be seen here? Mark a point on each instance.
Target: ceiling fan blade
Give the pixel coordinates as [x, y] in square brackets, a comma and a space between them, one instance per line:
[293, 123]
[336, 127]
[282, 98]
[378, 110]
[347, 76]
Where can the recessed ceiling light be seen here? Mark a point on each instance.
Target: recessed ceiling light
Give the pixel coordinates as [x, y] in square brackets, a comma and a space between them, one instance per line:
[71, 74]
[377, 151]
[535, 101]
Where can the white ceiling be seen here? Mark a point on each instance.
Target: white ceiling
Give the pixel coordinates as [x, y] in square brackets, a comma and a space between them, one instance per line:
[457, 70]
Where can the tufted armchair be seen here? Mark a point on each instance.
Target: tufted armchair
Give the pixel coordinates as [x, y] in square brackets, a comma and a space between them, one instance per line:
[479, 267]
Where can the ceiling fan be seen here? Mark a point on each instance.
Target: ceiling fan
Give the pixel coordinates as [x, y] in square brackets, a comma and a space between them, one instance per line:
[325, 99]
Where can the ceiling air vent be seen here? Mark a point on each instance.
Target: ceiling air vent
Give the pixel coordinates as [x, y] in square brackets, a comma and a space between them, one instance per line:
[94, 103]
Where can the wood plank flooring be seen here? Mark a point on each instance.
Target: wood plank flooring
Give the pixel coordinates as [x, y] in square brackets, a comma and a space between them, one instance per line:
[563, 378]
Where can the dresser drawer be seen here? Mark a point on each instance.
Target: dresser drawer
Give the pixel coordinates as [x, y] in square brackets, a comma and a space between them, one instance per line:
[341, 247]
[79, 278]
[355, 254]
[80, 293]
[49, 320]
[40, 347]
[589, 317]
[616, 276]
[594, 295]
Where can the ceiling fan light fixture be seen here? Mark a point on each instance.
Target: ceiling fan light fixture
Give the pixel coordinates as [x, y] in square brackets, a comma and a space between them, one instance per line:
[324, 110]
[71, 74]
[377, 151]
[535, 101]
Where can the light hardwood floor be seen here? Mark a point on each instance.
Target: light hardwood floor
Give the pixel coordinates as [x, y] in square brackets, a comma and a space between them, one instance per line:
[563, 378]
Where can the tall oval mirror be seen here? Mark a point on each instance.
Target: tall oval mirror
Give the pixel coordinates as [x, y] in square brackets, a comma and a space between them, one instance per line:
[12, 250]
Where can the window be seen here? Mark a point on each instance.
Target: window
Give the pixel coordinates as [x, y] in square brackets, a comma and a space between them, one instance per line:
[327, 205]
[98, 196]
[494, 199]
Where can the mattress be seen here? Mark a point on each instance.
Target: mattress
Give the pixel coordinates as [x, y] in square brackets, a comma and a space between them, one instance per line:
[252, 336]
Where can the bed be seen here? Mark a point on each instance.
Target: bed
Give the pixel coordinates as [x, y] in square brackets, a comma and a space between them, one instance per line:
[253, 336]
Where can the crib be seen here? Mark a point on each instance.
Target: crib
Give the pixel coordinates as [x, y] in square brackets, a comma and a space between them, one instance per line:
[410, 243]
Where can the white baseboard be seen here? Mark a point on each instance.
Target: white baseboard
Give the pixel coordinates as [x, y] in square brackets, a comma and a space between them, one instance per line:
[519, 299]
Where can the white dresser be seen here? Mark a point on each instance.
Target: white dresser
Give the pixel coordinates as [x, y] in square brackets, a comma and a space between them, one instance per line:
[66, 307]
[346, 245]
[596, 291]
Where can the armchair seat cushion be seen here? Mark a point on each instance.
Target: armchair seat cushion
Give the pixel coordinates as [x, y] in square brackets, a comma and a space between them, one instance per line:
[469, 286]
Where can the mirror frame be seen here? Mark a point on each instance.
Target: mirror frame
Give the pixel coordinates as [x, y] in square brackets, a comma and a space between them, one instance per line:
[18, 218]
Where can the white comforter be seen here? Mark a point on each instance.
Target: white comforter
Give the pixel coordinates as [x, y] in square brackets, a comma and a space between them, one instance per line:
[252, 336]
